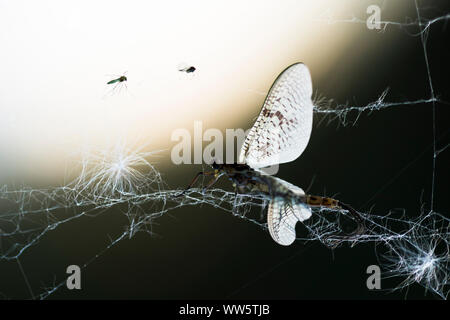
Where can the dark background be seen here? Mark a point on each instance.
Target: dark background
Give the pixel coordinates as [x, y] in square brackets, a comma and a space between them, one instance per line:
[384, 160]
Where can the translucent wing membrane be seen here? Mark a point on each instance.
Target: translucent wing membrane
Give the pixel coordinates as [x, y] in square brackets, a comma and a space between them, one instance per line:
[282, 130]
[283, 215]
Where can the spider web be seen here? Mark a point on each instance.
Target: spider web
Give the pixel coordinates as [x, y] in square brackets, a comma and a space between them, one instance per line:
[416, 250]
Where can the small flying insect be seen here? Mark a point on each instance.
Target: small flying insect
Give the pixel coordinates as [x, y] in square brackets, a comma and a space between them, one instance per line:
[183, 67]
[280, 134]
[120, 79]
[118, 83]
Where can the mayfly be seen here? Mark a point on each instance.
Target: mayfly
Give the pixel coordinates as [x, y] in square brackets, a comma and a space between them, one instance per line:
[280, 134]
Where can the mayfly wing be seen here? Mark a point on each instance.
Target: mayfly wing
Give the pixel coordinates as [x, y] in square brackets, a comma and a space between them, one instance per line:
[282, 130]
[283, 214]
[289, 186]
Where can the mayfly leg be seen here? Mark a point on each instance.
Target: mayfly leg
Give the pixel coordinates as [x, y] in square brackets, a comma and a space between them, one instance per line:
[213, 181]
[198, 175]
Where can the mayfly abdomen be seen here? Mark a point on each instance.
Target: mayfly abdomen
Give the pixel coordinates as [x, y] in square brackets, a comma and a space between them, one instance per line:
[315, 201]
